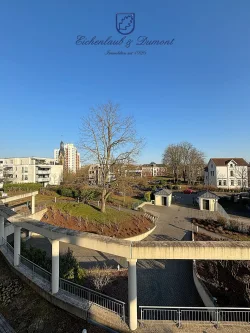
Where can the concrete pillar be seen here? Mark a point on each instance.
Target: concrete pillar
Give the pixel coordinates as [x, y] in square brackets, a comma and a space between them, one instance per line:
[17, 245]
[132, 294]
[201, 203]
[33, 205]
[1, 229]
[55, 266]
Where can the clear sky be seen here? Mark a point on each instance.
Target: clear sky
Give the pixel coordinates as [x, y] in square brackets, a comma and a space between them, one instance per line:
[196, 90]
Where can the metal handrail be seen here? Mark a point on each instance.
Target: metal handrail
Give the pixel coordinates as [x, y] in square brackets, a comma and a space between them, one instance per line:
[193, 307]
[92, 291]
[93, 296]
[33, 265]
[179, 314]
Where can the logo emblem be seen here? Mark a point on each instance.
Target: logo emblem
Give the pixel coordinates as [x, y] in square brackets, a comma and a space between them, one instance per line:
[125, 23]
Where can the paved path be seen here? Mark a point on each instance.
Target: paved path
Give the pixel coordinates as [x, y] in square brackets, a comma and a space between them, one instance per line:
[4, 325]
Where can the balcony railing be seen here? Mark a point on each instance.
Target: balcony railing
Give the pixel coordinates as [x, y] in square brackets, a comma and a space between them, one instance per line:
[43, 172]
[43, 179]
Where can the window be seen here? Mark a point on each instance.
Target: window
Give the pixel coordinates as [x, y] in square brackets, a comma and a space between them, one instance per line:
[219, 183]
[212, 165]
[231, 165]
[232, 182]
[231, 173]
[224, 182]
[239, 182]
[212, 173]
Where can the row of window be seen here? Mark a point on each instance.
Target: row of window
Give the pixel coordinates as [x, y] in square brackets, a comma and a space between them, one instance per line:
[231, 173]
[224, 182]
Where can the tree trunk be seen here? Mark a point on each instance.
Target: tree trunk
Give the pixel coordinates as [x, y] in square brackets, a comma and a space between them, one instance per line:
[103, 201]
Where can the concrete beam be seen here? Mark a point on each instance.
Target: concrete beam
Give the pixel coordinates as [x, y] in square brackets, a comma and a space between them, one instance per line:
[207, 250]
[18, 197]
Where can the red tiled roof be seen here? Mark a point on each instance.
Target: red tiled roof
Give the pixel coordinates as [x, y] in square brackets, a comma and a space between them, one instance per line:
[225, 161]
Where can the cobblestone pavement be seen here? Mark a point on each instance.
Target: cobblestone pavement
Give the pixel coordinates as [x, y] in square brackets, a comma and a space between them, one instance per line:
[4, 326]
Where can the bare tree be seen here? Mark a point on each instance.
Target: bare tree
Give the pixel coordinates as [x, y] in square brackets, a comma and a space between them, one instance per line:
[173, 157]
[184, 159]
[186, 149]
[101, 277]
[241, 173]
[109, 140]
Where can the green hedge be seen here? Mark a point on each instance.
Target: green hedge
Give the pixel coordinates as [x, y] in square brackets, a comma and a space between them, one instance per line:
[84, 194]
[22, 187]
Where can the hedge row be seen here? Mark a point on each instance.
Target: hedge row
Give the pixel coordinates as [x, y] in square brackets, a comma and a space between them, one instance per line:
[22, 187]
[84, 194]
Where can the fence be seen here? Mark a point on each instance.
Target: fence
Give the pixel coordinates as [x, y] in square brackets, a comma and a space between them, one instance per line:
[95, 297]
[81, 292]
[35, 268]
[214, 315]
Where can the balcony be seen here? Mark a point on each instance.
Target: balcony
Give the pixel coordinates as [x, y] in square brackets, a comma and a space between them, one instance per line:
[8, 170]
[42, 179]
[43, 172]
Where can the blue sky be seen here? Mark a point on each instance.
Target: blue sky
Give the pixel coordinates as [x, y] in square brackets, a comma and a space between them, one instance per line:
[196, 90]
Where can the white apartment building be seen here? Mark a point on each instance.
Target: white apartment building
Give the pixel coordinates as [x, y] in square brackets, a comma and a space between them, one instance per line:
[230, 173]
[31, 170]
[68, 156]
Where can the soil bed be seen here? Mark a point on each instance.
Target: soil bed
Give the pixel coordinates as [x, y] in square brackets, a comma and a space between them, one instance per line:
[114, 223]
[223, 230]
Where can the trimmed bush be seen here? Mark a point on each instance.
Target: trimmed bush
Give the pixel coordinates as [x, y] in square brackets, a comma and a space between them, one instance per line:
[147, 196]
[222, 220]
[22, 187]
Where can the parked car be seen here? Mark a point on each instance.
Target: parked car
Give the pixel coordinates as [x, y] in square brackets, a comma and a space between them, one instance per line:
[188, 191]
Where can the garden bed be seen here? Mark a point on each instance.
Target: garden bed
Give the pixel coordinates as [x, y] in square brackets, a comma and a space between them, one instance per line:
[231, 229]
[82, 217]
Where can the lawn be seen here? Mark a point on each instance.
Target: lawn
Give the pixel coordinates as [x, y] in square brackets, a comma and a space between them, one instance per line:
[129, 201]
[93, 214]
[50, 198]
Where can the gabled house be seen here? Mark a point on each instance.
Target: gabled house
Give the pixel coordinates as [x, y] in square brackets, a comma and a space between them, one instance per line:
[229, 173]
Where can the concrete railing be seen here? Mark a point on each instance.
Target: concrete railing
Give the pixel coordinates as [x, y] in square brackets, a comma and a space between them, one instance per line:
[143, 204]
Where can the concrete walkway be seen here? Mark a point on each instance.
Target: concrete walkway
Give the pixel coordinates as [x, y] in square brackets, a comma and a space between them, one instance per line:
[168, 282]
[4, 325]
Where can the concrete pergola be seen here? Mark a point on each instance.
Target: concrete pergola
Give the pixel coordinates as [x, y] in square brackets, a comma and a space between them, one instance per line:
[132, 251]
